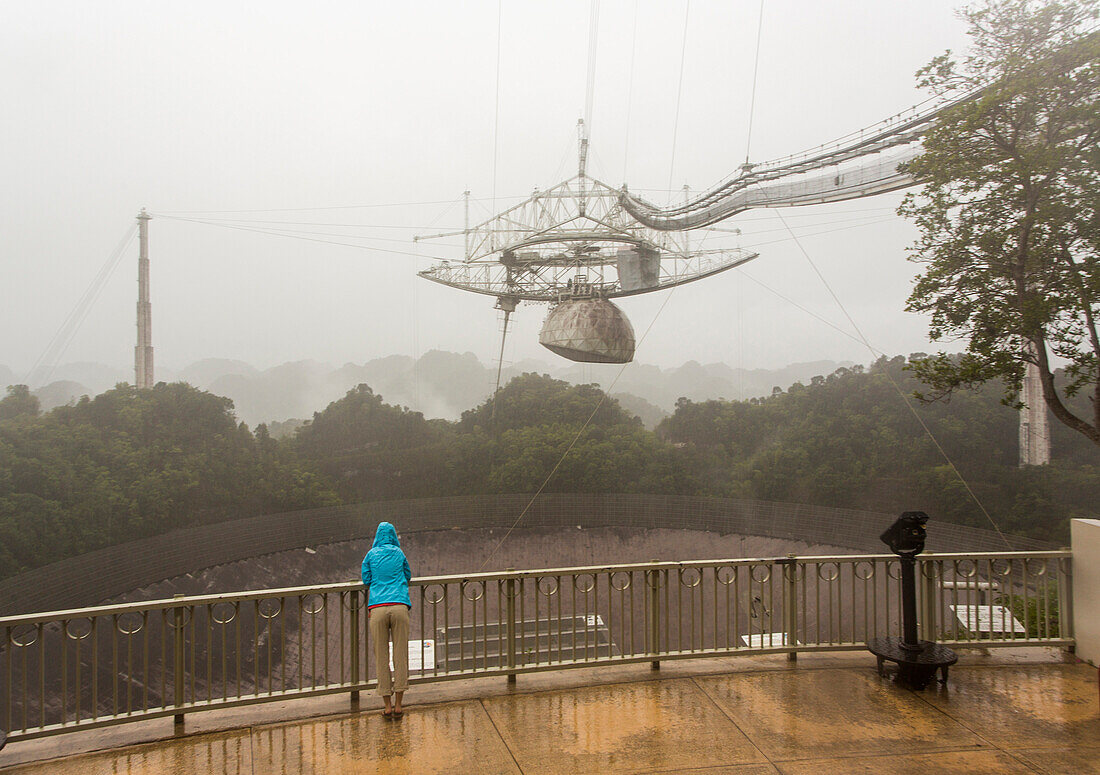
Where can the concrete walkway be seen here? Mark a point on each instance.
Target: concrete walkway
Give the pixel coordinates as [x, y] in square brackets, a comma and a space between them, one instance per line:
[1000, 713]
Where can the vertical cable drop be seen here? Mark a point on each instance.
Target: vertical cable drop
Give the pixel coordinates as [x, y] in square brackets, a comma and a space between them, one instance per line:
[755, 70]
[679, 94]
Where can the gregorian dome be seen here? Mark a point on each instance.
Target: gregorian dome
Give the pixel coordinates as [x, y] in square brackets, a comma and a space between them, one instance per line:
[588, 330]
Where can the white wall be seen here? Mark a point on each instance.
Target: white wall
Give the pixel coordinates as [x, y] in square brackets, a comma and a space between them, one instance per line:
[1085, 537]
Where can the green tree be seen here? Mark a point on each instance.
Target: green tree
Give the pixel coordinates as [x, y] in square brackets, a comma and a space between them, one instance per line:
[18, 403]
[846, 440]
[534, 399]
[1009, 216]
[131, 463]
[375, 450]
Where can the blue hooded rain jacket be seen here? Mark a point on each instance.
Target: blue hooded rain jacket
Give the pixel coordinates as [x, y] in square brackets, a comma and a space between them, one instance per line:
[386, 570]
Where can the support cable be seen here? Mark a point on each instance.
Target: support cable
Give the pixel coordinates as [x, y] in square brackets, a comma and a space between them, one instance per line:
[496, 109]
[268, 222]
[630, 90]
[311, 235]
[44, 366]
[500, 364]
[900, 392]
[272, 233]
[416, 311]
[807, 310]
[605, 394]
[679, 94]
[313, 209]
[755, 69]
[593, 38]
[754, 245]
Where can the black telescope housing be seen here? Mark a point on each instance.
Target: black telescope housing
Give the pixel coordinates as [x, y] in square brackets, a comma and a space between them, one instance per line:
[917, 660]
[906, 536]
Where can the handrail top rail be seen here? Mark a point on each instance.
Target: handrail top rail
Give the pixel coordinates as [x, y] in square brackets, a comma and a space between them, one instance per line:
[351, 586]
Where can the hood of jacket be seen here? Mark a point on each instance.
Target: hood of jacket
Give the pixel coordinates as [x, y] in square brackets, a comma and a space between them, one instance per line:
[385, 535]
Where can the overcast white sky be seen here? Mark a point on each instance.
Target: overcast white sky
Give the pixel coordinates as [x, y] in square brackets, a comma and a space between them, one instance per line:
[197, 106]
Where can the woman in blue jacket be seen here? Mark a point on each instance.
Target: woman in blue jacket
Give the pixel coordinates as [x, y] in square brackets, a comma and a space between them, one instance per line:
[386, 575]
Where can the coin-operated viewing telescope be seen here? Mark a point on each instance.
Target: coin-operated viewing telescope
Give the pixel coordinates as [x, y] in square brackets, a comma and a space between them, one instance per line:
[906, 536]
[917, 660]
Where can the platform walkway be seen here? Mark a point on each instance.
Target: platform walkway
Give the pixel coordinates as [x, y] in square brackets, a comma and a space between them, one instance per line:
[1012, 711]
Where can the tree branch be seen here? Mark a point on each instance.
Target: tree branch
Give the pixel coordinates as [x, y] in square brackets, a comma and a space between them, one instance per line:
[1054, 401]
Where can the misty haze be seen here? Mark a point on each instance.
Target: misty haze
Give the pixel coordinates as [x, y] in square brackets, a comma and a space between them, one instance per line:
[544, 340]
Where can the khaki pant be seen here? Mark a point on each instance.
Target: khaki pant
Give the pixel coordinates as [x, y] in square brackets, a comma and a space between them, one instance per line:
[385, 622]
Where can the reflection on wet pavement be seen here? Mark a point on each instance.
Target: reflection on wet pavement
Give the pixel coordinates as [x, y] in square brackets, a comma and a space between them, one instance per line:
[796, 715]
[453, 738]
[1028, 705]
[658, 724]
[225, 752]
[994, 718]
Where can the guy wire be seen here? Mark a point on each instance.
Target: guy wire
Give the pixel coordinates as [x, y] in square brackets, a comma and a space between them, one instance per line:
[900, 392]
[755, 69]
[603, 397]
[630, 90]
[679, 94]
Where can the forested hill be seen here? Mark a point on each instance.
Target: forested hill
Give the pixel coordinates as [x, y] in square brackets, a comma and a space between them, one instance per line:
[849, 440]
[438, 383]
[133, 463]
[129, 464]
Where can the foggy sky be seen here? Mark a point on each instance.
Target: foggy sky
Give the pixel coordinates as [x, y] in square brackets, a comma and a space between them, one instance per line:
[181, 107]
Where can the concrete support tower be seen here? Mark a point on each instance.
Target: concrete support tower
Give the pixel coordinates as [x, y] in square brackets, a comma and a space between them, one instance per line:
[1034, 430]
[143, 353]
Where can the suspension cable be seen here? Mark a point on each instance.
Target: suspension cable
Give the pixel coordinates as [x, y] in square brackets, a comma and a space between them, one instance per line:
[604, 395]
[630, 89]
[496, 109]
[755, 69]
[679, 94]
[44, 366]
[274, 233]
[893, 382]
[593, 38]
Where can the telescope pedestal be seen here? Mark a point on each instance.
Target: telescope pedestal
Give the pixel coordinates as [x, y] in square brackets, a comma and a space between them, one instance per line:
[916, 666]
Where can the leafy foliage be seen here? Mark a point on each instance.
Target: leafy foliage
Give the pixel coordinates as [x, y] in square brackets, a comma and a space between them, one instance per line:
[533, 399]
[18, 403]
[1039, 612]
[132, 463]
[1008, 216]
[848, 440]
[377, 451]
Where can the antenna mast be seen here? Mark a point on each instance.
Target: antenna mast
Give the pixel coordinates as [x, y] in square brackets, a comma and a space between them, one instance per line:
[143, 352]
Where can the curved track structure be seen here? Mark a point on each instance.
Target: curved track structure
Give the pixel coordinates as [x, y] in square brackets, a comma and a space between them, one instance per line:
[864, 163]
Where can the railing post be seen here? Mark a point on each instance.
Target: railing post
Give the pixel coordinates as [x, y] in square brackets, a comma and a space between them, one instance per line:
[177, 671]
[1065, 599]
[653, 605]
[353, 611]
[510, 594]
[928, 589]
[790, 604]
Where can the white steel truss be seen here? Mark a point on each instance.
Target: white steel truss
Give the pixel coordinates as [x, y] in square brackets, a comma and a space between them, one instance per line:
[575, 240]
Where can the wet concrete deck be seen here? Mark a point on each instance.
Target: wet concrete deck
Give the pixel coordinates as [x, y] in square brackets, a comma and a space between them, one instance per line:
[1007, 712]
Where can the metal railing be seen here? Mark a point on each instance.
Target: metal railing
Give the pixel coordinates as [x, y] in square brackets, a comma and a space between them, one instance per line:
[88, 667]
